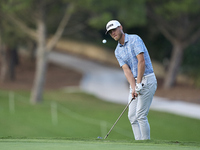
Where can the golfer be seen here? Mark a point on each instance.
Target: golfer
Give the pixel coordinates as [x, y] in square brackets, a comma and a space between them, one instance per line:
[135, 61]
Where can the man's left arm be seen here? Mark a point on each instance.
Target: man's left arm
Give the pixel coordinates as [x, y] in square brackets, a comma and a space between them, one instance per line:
[141, 69]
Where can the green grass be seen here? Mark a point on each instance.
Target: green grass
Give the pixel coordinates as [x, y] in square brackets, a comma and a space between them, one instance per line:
[81, 118]
[77, 144]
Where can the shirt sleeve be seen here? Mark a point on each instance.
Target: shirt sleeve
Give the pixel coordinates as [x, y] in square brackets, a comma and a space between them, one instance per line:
[120, 60]
[138, 46]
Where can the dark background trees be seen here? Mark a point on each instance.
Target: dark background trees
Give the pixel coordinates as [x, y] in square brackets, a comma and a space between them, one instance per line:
[170, 29]
[179, 22]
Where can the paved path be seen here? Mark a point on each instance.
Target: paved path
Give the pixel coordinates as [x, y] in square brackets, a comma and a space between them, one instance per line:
[110, 84]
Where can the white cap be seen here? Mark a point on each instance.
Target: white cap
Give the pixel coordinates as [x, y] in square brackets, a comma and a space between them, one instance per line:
[112, 25]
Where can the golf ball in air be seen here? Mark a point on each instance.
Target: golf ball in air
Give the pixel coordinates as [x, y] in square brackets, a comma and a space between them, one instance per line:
[104, 41]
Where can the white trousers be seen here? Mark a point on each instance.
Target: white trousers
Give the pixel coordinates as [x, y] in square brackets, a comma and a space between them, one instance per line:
[139, 108]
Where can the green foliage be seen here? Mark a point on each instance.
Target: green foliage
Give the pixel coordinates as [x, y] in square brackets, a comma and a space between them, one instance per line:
[129, 13]
[192, 56]
[183, 6]
[171, 9]
[10, 36]
[99, 21]
[26, 12]
[9, 6]
[88, 23]
[190, 65]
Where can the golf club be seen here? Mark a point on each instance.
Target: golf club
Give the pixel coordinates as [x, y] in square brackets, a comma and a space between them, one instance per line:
[119, 117]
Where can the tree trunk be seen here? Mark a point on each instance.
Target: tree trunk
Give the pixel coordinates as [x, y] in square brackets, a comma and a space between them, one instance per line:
[41, 62]
[4, 63]
[13, 62]
[9, 59]
[174, 65]
[39, 81]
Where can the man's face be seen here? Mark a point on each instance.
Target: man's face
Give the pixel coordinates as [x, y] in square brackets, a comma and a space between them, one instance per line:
[116, 33]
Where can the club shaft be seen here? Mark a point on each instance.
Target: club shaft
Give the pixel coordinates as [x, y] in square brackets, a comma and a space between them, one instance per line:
[118, 118]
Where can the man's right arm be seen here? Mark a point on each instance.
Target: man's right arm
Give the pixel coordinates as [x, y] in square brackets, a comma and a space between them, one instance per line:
[130, 78]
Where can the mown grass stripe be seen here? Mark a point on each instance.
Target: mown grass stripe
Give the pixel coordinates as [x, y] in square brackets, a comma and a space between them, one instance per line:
[45, 144]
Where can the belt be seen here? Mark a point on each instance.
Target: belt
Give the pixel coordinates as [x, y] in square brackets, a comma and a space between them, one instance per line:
[149, 75]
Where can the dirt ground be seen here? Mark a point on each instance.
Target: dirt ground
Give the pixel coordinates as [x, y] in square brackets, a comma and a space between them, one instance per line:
[59, 77]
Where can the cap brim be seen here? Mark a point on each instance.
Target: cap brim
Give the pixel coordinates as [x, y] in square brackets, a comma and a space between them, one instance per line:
[110, 29]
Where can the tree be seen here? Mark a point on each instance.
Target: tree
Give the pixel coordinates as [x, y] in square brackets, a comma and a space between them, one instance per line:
[8, 52]
[36, 28]
[130, 13]
[179, 22]
[31, 17]
[4, 65]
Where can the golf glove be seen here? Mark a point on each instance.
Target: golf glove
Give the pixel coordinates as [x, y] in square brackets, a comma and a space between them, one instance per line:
[138, 88]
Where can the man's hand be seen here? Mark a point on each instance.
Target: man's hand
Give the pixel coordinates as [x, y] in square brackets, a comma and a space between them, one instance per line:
[134, 94]
[138, 88]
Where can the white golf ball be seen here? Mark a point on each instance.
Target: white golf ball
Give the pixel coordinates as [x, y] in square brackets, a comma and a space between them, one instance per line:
[104, 41]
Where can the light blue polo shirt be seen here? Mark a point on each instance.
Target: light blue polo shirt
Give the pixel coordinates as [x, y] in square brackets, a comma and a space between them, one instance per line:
[126, 54]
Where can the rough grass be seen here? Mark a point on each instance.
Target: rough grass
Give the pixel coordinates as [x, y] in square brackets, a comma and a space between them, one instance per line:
[68, 118]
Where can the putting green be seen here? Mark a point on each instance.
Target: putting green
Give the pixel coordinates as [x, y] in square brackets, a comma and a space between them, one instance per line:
[44, 144]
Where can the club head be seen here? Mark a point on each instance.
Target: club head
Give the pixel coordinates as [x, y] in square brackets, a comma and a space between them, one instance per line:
[99, 137]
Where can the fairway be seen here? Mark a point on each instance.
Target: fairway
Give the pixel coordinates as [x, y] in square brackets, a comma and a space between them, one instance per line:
[44, 144]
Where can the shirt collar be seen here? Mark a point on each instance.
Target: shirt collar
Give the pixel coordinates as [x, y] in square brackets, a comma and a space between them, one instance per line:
[125, 40]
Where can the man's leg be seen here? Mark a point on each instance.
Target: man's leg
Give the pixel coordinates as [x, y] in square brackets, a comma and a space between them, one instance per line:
[132, 117]
[144, 102]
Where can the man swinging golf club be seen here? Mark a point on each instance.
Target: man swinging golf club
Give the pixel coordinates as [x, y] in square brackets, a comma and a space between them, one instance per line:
[135, 61]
